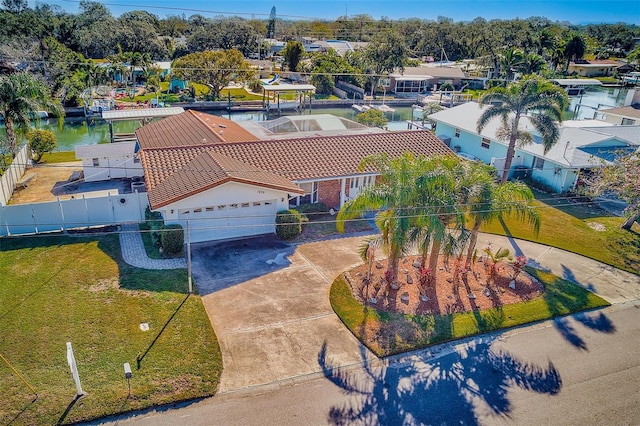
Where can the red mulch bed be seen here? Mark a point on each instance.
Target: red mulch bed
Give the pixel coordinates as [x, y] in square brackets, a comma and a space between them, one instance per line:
[445, 297]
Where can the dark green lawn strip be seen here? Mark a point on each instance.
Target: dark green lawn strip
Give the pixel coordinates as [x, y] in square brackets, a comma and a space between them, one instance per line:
[389, 333]
[59, 289]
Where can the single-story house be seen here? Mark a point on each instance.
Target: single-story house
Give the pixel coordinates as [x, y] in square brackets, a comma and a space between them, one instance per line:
[582, 145]
[109, 161]
[627, 115]
[422, 79]
[594, 68]
[221, 181]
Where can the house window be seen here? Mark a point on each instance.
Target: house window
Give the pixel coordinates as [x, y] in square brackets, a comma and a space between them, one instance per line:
[136, 159]
[538, 163]
[485, 143]
[209, 209]
[256, 204]
[385, 82]
[628, 122]
[310, 193]
[197, 210]
[96, 162]
[457, 134]
[184, 211]
[245, 204]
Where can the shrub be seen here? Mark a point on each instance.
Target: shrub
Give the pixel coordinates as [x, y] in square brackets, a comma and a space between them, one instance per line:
[312, 208]
[153, 222]
[172, 239]
[41, 141]
[288, 224]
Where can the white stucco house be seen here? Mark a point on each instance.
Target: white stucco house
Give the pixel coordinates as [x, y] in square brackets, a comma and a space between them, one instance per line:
[220, 180]
[109, 161]
[582, 145]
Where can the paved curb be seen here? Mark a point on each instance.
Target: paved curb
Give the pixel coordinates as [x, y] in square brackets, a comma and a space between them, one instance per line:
[134, 254]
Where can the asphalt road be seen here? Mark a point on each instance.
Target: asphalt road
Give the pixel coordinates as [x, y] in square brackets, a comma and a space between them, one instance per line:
[578, 370]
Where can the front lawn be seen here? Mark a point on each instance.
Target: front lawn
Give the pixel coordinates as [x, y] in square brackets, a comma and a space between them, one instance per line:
[60, 289]
[580, 227]
[386, 333]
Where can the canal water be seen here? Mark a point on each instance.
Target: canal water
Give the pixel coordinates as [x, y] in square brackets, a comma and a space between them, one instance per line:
[74, 131]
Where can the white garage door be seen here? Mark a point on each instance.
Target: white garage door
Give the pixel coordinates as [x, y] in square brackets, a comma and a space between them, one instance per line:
[230, 220]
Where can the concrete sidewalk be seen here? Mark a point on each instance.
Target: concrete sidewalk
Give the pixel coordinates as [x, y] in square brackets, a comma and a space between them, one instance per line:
[272, 327]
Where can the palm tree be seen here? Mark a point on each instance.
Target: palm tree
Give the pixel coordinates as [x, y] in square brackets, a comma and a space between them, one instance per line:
[574, 49]
[439, 223]
[394, 193]
[533, 95]
[531, 63]
[510, 61]
[21, 96]
[488, 201]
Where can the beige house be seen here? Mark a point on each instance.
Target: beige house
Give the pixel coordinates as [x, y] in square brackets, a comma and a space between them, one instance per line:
[422, 79]
[594, 68]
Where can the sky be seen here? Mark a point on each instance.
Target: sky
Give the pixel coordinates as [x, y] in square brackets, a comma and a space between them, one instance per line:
[574, 11]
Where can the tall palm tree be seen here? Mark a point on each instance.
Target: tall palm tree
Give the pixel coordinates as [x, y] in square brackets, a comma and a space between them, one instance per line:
[531, 63]
[574, 49]
[488, 201]
[441, 191]
[21, 96]
[542, 101]
[510, 60]
[394, 195]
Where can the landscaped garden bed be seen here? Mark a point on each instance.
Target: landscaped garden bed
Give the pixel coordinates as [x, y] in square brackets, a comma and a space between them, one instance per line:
[391, 320]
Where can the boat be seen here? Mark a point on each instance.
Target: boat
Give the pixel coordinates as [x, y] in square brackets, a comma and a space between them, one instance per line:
[631, 78]
[384, 108]
[358, 108]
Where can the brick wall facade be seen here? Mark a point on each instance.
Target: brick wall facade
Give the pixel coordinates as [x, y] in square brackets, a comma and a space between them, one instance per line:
[329, 193]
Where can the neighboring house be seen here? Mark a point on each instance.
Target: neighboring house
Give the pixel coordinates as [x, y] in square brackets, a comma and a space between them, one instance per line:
[628, 114]
[341, 47]
[109, 161]
[582, 145]
[422, 79]
[594, 68]
[224, 182]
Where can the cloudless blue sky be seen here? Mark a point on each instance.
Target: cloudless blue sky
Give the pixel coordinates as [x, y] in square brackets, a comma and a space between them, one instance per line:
[574, 11]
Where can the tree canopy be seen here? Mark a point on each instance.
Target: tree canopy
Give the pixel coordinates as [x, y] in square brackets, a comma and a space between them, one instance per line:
[216, 69]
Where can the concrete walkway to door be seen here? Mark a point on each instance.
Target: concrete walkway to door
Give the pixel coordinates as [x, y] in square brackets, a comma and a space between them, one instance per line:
[272, 319]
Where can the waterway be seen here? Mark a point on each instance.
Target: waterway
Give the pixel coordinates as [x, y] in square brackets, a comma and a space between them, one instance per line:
[74, 131]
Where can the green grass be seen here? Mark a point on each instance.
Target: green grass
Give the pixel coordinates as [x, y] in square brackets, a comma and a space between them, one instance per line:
[387, 333]
[239, 94]
[565, 225]
[58, 157]
[62, 289]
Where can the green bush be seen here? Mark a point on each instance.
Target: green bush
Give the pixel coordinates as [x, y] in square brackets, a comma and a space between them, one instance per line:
[312, 208]
[153, 223]
[41, 142]
[172, 239]
[288, 224]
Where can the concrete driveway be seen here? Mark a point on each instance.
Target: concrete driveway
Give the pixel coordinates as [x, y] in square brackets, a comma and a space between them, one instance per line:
[272, 319]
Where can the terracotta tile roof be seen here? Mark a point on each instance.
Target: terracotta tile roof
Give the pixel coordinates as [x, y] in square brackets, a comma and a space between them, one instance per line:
[293, 159]
[209, 169]
[191, 129]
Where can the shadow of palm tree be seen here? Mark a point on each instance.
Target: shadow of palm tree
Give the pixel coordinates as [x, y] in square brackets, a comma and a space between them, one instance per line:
[445, 390]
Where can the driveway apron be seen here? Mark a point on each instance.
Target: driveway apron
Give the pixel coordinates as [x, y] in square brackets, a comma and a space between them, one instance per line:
[272, 327]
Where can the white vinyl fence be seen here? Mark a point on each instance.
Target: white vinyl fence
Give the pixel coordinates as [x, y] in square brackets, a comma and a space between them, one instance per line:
[13, 174]
[62, 215]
